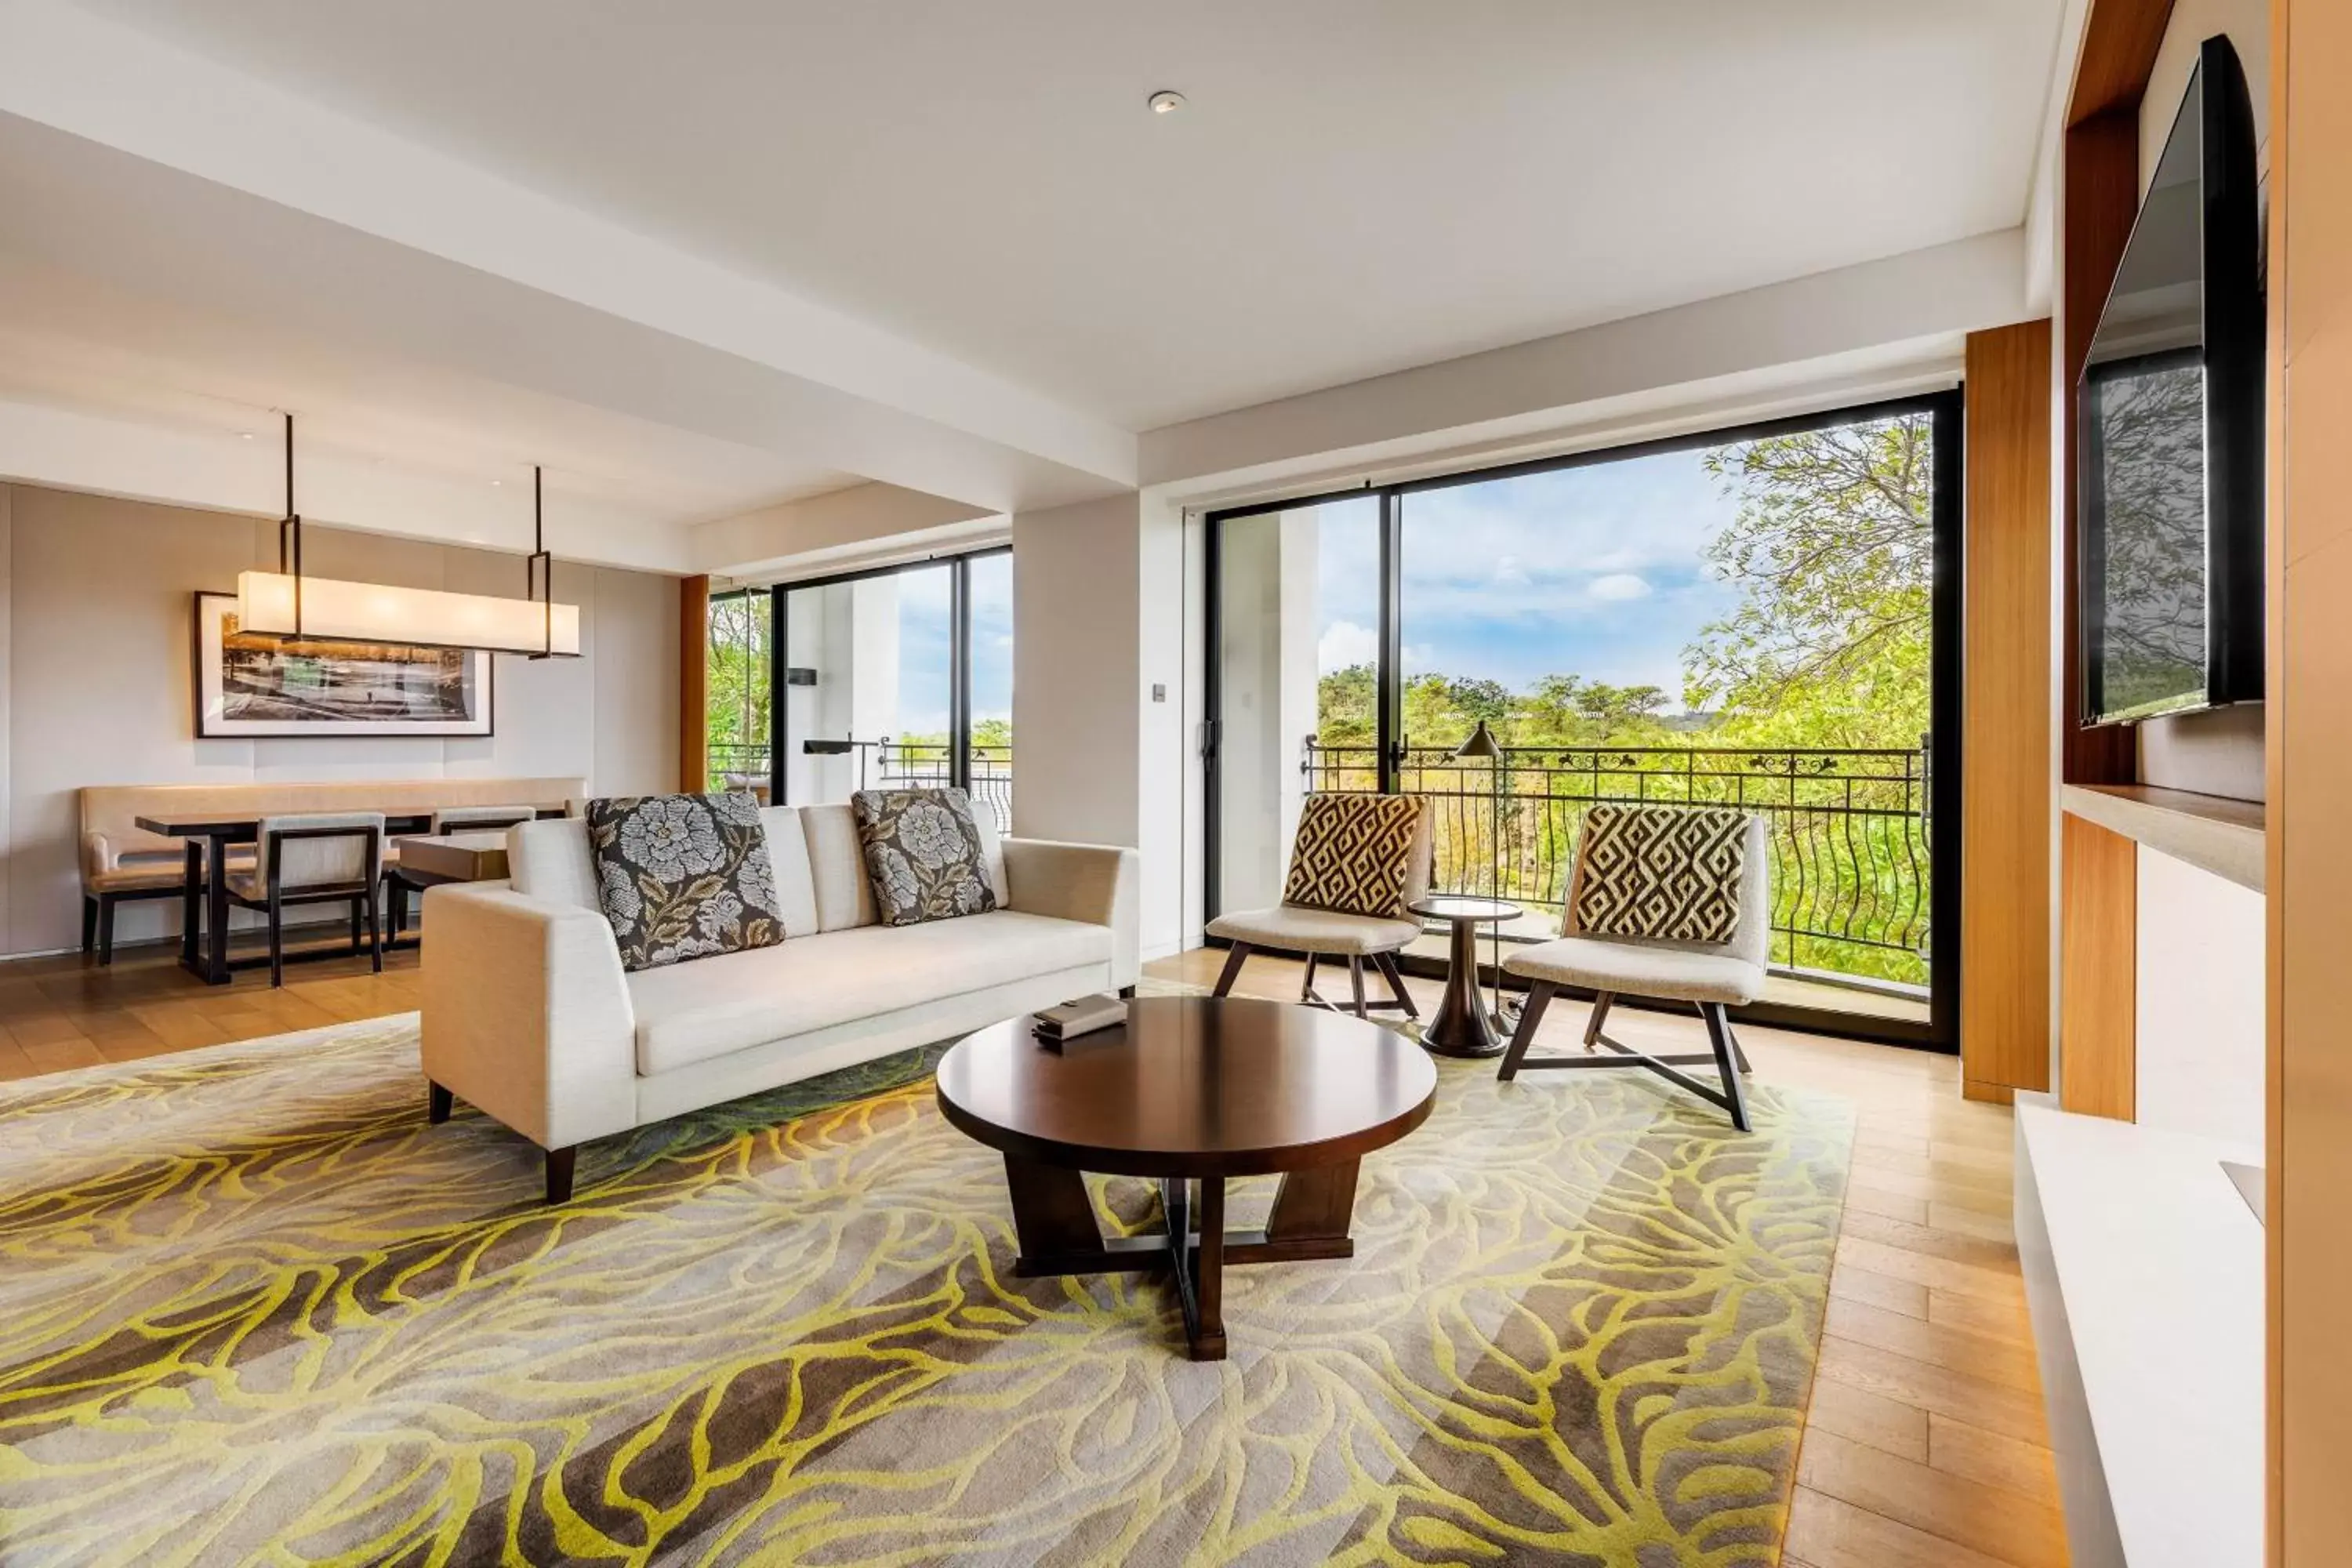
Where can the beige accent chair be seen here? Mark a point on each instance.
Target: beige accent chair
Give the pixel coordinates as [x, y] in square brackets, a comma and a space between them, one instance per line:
[529, 1016]
[121, 861]
[1710, 976]
[1317, 934]
[318, 858]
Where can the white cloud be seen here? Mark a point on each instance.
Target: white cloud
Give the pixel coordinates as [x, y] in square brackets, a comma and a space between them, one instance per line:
[1619, 586]
[1344, 642]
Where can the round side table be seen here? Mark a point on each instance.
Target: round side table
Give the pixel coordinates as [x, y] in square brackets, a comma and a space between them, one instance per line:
[1460, 1028]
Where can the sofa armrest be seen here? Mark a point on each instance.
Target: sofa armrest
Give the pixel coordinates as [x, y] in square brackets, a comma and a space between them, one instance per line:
[1096, 883]
[527, 1015]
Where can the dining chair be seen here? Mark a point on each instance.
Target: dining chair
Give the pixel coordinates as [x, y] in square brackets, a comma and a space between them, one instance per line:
[317, 858]
[1673, 903]
[398, 884]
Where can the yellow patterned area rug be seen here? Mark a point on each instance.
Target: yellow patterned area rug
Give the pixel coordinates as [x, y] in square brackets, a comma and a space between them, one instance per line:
[253, 1309]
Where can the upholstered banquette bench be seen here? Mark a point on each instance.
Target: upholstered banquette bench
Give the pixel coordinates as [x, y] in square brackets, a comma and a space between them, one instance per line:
[121, 861]
[530, 1016]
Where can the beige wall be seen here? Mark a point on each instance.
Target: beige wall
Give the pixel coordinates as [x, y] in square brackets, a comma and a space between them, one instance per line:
[95, 624]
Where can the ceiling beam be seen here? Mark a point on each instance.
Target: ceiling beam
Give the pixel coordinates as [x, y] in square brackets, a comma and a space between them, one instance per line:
[285, 206]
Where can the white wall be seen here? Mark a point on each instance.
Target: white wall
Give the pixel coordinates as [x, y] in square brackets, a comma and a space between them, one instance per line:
[2200, 990]
[1104, 617]
[2248, 24]
[99, 608]
[1267, 689]
[1077, 672]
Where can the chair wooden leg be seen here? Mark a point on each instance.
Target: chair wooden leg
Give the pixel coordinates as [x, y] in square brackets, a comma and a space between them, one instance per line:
[358, 940]
[1599, 1016]
[192, 904]
[1719, 1032]
[560, 1164]
[276, 944]
[1356, 983]
[437, 1102]
[1530, 1015]
[375, 929]
[1388, 962]
[1233, 970]
[88, 923]
[1307, 987]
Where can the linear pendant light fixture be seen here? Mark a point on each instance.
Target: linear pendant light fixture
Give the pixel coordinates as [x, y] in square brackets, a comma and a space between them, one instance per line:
[285, 603]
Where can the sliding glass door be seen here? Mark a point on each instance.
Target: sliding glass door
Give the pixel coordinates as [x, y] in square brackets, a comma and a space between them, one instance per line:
[1756, 617]
[897, 676]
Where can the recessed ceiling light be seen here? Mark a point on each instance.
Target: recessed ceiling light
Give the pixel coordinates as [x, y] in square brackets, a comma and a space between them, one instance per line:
[245, 434]
[498, 481]
[1165, 102]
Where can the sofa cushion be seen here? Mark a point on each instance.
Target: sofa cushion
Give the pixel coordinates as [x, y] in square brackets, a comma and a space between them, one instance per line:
[550, 861]
[845, 900]
[692, 1011]
[922, 855]
[684, 876]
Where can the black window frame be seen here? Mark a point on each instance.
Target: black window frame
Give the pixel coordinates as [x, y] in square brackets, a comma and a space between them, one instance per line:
[958, 564]
[1945, 409]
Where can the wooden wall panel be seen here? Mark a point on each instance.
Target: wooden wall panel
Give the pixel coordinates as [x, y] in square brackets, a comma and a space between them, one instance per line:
[2309, 1232]
[2100, 200]
[693, 684]
[2098, 1014]
[2004, 716]
[2120, 41]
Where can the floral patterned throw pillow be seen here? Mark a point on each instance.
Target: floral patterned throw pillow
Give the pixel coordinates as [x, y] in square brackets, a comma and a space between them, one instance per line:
[922, 855]
[684, 876]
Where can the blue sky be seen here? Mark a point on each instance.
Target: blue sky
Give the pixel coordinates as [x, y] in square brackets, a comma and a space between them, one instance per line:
[1593, 571]
[923, 651]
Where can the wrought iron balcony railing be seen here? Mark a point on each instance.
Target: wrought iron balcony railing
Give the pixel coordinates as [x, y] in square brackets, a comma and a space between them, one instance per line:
[1849, 831]
[882, 764]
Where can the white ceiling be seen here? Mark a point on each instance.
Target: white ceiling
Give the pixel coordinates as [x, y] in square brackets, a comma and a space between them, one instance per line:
[71, 342]
[1357, 185]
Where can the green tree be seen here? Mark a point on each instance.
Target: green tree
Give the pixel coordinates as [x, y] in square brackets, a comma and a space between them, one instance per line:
[1833, 549]
[1345, 701]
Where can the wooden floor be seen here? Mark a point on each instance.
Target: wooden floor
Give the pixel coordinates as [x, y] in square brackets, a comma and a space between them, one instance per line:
[1924, 1446]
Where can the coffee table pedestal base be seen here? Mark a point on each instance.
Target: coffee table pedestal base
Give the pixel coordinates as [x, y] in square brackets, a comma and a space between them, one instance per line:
[1060, 1234]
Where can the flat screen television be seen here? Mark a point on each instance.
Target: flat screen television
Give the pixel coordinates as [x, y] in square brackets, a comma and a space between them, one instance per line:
[2169, 442]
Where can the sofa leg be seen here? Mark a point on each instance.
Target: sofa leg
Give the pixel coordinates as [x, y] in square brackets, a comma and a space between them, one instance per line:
[437, 1102]
[558, 1174]
[1233, 970]
[88, 923]
[105, 928]
[1127, 992]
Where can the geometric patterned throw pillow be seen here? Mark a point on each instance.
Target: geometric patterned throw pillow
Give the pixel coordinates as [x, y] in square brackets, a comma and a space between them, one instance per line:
[683, 875]
[1353, 854]
[1666, 872]
[922, 855]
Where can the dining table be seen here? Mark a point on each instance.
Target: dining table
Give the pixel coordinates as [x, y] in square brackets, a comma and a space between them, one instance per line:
[204, 897]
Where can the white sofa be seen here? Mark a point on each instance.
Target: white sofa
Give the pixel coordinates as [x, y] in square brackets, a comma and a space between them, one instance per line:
[529, 1017]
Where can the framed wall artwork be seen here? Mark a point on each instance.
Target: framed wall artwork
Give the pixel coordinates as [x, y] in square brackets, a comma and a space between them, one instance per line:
[249, 686]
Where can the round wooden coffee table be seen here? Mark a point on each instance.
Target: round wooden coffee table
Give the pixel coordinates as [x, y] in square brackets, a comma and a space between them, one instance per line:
[1189, 1090]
